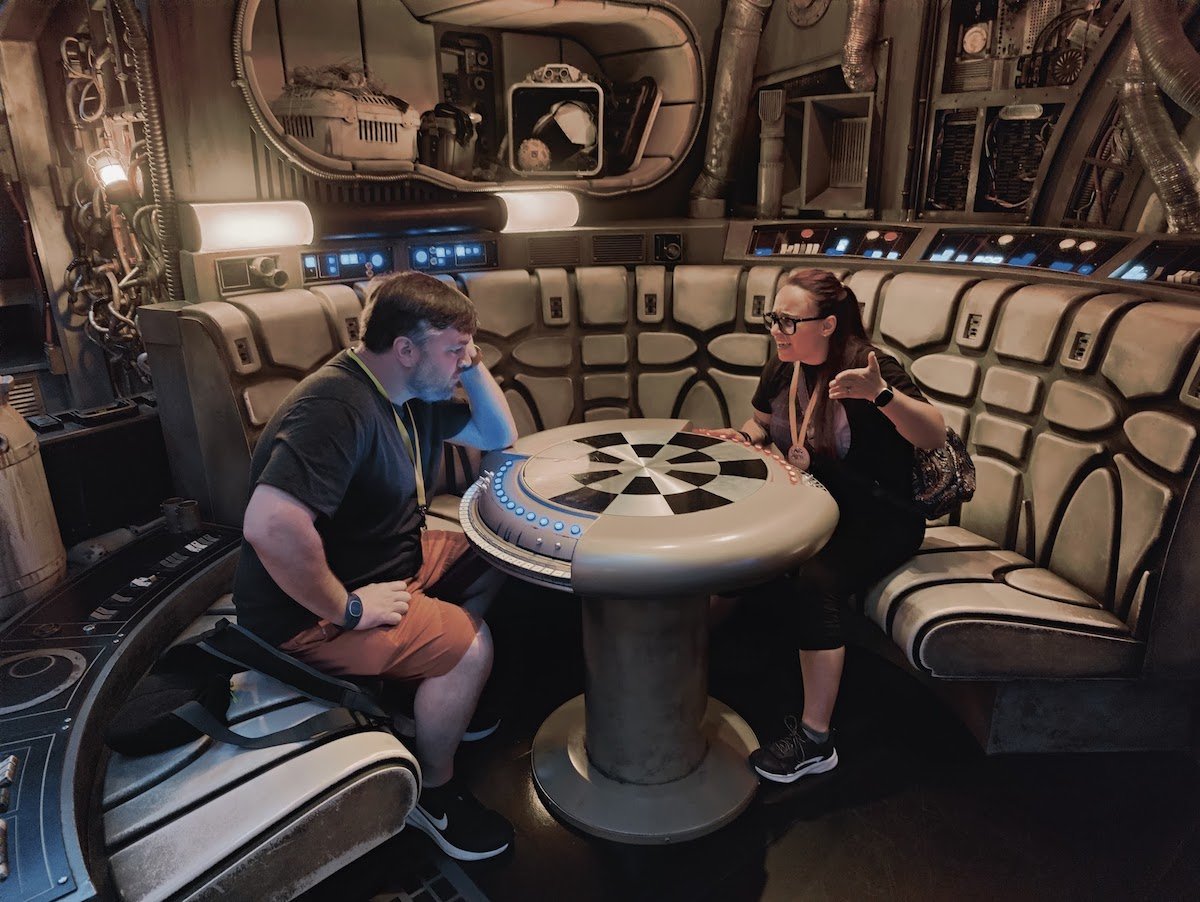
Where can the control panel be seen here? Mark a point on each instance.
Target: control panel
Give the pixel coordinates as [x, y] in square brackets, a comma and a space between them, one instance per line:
[1076, 253]
[55, 660]
[446, 256]
[345, 264]
[1174, 262]
[807, 240]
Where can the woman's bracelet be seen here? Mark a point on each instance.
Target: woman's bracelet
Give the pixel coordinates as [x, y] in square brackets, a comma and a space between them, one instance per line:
[746, 436]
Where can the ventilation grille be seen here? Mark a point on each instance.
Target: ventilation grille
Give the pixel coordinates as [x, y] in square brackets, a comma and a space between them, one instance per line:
[558, 251]
[969, 75]
[619, 248]
[25, 396]
[374, 130]
[298, 126]
[848, 167]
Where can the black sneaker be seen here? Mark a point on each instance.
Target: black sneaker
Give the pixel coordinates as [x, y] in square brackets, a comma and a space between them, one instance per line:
[795, 755]
[462, 827]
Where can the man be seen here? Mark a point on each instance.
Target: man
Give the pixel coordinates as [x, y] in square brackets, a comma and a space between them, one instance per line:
[336, 568]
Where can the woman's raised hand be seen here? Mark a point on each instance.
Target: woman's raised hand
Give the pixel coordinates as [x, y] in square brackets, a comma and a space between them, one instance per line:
[864, 383]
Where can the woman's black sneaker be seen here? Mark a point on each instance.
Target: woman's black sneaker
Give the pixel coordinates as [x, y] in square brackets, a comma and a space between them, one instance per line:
[795, 755]
[461, 826]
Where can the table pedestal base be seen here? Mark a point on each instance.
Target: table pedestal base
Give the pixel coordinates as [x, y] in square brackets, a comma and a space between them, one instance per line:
[707, 798]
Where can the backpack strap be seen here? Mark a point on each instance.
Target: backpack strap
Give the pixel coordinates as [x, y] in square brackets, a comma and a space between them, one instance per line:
[202, 720]
[239, 646]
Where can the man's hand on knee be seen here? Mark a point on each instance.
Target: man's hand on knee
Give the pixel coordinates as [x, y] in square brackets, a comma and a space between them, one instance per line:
[384, 604]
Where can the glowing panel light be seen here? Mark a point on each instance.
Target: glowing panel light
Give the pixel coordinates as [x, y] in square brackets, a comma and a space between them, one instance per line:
[539, 211]
[211, 228]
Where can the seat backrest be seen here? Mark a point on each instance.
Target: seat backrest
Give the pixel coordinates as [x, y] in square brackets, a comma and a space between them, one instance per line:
[1074, 402]
[1079, 406]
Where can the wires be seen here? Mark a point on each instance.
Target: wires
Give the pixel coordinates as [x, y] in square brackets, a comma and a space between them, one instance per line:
[118, 264]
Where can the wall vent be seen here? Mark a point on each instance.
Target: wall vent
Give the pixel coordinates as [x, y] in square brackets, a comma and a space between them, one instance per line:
[619, 248]
[25, 395]
[561, 250]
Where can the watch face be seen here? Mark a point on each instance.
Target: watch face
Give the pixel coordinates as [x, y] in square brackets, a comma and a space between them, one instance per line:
[354, 606]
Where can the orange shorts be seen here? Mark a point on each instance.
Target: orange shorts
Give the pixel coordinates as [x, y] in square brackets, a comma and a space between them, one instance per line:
[428, 642]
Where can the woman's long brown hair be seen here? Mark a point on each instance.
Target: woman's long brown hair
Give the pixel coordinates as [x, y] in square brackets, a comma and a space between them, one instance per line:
[848, 345]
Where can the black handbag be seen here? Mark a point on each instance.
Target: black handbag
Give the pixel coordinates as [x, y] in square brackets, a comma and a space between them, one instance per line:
[943, 478]
[149, 721]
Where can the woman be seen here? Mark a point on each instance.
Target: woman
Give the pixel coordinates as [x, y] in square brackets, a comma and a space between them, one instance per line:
[865, 418]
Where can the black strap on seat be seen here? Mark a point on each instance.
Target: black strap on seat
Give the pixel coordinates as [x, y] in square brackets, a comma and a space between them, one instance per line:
[203, 720]
[239, 646]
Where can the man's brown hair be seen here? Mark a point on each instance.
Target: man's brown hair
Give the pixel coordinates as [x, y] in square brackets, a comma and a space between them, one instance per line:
[414, 304]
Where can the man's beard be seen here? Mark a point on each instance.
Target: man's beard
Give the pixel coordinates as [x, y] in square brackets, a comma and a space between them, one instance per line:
[428, 386]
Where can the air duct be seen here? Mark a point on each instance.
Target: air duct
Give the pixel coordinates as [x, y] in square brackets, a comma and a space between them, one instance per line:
[740, 34]
[1166, 51]
[1158, 147]
[156, 146]
[858, 57]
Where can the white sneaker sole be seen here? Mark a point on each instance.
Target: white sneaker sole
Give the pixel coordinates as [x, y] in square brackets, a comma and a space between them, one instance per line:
[407, 727]
[817, 767]
[417, 819]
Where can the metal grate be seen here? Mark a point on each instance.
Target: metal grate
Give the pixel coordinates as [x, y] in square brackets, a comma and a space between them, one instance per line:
[298, 126]
[25, 395]
[969, 75]
[373, 130]
[954, 141]
[619, 248]
[1037, 16]
[558, 251]
[848, 166]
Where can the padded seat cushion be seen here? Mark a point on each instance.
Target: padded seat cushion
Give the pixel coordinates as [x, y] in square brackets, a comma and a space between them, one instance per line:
[961, 610]
[233, 822]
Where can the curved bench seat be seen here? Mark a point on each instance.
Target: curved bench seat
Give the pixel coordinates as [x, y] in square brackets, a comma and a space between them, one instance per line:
[209, 818]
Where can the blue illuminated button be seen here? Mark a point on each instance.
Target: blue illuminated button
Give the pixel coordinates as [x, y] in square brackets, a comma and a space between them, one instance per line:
[531, 516]
[504, 500]
[377, 260]
[558, 524]
[520, 511]
[421, 257]
[543, 522]
[510, 505]
[575, 530]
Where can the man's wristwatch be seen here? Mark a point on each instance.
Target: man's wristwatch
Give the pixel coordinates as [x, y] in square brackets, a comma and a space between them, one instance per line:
[884, 397]
[354, 611]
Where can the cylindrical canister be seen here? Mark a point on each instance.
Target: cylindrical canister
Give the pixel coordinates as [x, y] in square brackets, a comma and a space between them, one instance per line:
[32, 558]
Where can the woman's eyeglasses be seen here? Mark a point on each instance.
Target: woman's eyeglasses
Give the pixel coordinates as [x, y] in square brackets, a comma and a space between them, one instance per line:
[787, 324]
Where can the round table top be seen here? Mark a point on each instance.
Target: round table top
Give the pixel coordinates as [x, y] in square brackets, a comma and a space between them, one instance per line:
[633, 507]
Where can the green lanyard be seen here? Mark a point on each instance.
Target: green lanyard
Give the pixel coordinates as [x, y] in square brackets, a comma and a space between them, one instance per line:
[414, 456]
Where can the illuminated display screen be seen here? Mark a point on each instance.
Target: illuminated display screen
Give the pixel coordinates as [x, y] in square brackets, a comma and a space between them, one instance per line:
[346, 264]
[1165, 261]
[1063, 252]
[872, 242]
[452, 255]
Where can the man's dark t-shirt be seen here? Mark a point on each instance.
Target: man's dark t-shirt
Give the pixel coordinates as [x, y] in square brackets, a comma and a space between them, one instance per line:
[333, 445]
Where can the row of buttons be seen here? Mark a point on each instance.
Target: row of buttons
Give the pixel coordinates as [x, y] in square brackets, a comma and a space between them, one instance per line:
[129, 594]
[519, 510]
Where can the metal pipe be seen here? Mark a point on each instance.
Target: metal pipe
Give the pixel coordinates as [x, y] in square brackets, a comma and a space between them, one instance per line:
[740, 34]
[1166, 51]
[1158, 147]
[858, 57]
[156, 146]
